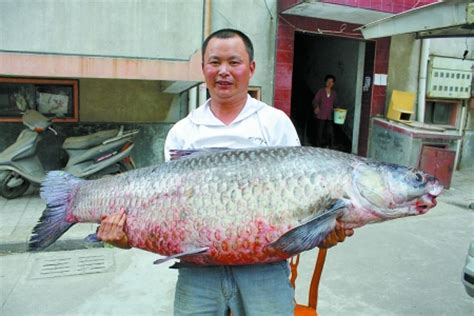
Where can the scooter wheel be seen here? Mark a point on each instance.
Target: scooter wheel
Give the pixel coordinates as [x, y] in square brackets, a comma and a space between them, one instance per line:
[10, 192]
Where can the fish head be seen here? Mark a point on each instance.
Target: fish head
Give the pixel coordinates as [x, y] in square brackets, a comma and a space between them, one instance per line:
[392, 191]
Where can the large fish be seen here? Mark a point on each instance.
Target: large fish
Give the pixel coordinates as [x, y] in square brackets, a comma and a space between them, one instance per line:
[238, 206]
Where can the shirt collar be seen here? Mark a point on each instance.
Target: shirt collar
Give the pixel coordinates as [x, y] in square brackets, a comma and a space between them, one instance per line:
[204, 116]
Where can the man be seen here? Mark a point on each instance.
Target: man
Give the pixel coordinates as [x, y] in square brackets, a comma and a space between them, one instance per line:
[230, 118]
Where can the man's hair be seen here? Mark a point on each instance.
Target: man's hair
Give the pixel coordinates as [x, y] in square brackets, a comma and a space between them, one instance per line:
[229, 33]
[330, 77]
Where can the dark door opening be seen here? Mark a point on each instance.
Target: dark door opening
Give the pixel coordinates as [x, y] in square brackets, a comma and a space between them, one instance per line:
[316, 56]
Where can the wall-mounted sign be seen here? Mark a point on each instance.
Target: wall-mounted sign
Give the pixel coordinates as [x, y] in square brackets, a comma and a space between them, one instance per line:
[380, 79]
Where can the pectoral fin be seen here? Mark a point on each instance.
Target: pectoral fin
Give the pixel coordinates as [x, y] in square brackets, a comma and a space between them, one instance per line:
[310, 233]
[193, 251]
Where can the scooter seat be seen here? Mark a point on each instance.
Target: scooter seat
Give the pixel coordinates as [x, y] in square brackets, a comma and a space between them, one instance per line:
[88, 141]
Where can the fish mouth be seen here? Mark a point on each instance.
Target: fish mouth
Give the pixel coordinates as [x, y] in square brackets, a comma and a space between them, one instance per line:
[425, 203]
[436, 189]
[428, 201]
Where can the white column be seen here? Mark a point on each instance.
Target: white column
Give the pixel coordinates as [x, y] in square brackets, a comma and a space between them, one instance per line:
[422, 74]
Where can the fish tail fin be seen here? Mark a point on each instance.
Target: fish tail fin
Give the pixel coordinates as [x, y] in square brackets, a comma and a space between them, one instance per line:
[57, 190]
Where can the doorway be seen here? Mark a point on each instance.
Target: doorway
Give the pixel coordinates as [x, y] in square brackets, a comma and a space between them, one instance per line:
[316, 56]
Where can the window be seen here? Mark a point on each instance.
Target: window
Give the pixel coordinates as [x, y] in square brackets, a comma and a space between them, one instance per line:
[51, 97]
[442, 112]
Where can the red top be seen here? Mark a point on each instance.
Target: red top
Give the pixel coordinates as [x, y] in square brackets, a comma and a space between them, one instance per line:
[326, 104]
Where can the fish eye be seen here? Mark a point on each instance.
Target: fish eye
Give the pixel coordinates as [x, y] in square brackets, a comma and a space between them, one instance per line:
[419, 177]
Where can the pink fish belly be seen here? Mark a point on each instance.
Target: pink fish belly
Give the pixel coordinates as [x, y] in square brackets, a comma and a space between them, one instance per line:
[231, 246]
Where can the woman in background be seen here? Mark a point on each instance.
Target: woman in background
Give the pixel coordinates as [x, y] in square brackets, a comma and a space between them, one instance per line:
[323, 104]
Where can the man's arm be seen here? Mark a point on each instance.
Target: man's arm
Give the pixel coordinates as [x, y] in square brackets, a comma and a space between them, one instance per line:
[279, 129]
[173, 141]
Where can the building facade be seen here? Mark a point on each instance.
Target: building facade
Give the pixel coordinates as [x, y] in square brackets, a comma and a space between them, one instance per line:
[138, 64]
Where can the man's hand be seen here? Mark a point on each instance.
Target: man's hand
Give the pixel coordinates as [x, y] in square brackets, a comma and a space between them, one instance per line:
[337, 235]
[316, 110]
[111, 230]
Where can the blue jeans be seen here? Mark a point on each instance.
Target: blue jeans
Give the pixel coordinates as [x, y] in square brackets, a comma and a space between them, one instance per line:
[262, 289]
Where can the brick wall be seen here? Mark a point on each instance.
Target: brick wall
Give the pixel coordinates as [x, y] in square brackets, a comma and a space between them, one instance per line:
[284, 66]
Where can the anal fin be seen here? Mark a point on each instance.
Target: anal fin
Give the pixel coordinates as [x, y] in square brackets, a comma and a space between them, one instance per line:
[92, 238]
[193, 251]
[310, 233]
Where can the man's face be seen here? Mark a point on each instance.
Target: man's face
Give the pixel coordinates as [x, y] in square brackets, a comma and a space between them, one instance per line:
[227, 68]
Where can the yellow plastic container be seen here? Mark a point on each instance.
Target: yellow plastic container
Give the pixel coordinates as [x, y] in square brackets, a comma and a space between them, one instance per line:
[340, 116]
[401, 106]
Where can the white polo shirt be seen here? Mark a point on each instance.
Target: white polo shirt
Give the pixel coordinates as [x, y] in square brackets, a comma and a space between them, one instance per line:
[258, 124]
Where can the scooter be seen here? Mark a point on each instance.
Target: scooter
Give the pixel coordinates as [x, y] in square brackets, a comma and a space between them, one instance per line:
[91, 156]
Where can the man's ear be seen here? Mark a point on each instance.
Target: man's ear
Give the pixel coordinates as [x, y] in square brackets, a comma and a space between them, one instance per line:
[202, 65]
[252, 68]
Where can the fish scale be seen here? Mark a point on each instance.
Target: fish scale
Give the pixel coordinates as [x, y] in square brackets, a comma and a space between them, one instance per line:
[240, 206]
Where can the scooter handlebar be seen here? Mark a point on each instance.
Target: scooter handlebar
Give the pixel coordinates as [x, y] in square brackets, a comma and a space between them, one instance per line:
[122, 135]
[53, 130]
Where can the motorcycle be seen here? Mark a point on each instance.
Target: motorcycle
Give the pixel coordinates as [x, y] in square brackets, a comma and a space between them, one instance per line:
[102, 153]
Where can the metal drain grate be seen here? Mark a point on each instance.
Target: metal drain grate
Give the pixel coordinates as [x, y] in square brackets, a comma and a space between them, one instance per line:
[70, 265]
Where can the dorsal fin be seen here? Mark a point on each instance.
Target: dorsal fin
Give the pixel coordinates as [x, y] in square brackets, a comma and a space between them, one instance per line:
[176, 154]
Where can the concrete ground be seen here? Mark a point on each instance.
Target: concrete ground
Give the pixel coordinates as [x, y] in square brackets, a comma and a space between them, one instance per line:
[410, 266]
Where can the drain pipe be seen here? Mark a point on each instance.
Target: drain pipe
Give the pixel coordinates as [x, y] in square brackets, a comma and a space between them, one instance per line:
[207, 18]
[462, 126]
[201, 90]
[423, 73]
